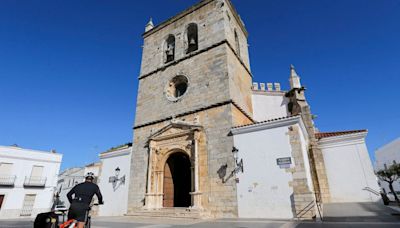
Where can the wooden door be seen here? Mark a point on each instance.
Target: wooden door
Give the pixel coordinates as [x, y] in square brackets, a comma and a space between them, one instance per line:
[168, 200]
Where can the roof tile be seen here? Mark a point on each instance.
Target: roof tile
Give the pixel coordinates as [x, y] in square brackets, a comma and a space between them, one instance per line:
[321, 135]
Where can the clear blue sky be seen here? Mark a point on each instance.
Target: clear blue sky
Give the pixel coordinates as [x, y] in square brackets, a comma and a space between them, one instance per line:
[68, 69]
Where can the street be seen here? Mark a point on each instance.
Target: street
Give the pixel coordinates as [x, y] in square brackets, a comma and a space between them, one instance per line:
[129, 222]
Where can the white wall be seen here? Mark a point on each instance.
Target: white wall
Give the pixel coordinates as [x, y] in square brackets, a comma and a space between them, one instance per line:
[115, 197]
[269, 105]
[386, 155]
[23, 160]
[349, 169]
[263, 190]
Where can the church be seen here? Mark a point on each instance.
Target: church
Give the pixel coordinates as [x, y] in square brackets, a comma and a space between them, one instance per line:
[211, 143]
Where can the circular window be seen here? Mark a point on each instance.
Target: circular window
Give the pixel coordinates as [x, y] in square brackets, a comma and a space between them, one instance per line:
[177, 87]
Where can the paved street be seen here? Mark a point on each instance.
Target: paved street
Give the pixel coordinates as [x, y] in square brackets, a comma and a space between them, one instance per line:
[127, 222]
[353, 215]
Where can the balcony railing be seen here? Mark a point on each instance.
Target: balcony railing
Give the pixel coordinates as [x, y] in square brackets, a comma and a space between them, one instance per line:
[6, 180]
[35, 182]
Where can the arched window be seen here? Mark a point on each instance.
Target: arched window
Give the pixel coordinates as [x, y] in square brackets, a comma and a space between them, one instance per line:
[192, 38]
[237, 43]
[169, 49]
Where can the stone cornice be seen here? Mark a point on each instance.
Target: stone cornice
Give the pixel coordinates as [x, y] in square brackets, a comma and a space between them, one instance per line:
[195, 111]
[195, 53]
[191, 10]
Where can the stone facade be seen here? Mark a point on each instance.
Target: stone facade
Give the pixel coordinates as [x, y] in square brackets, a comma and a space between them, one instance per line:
[197, 124]
[298, 105]
[303, 197]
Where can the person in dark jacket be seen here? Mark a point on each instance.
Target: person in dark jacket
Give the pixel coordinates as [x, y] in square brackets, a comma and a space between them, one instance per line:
[80, 198]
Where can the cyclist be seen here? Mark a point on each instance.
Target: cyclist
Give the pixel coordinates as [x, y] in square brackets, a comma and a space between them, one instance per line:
[80, 198]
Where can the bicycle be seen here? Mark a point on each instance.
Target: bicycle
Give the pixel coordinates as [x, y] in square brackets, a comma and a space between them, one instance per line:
[72, 223]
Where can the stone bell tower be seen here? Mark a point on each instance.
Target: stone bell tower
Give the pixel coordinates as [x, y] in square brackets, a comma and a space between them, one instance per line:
[194, 86]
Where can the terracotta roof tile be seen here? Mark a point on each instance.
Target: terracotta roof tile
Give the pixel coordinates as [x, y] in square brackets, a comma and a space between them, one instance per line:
[321, 135]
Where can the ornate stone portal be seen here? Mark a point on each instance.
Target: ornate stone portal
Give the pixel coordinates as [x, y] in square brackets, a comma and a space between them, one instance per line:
[176, 138]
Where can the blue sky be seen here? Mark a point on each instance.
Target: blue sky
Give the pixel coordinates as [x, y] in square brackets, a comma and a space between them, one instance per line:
[68, 69]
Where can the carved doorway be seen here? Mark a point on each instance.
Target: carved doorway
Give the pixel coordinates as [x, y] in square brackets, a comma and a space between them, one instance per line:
[177, 181]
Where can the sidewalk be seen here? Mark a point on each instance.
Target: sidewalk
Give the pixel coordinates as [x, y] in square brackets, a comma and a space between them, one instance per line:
[360, 212]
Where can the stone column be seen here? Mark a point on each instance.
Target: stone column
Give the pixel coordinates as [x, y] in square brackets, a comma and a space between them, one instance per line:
[149, 198]
[303, 197]
[196, 195]
[159, 189]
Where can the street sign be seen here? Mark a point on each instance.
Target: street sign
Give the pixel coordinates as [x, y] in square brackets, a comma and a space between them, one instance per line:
[284, 162]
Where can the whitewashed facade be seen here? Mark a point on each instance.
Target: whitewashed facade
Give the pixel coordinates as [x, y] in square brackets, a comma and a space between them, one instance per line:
[264, 189]
[28, 180]
[348, 166]
[114, 181]
[386, 156]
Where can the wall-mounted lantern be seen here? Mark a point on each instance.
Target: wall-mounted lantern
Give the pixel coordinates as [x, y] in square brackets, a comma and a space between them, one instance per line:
[238, 165]
[115, 179]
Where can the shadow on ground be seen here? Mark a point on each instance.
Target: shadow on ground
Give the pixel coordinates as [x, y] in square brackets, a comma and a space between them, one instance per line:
[360, 212]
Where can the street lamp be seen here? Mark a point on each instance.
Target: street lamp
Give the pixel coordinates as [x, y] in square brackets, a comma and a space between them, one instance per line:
[117, 171]
[238, 165]
[115, 179]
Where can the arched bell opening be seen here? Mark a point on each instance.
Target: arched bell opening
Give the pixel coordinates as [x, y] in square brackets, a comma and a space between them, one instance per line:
[177, 181]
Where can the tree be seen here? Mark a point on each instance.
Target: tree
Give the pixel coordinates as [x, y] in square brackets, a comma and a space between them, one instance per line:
[390, 175]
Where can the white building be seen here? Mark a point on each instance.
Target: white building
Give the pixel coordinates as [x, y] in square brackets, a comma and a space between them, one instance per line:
[66, 181]
[114, 180]
[386, 156]
[276, 151]
[353, 178]
[73, 176]
[28, 180]
[264, 189]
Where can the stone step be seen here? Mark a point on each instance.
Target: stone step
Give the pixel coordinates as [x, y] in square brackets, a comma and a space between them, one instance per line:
[168, 213]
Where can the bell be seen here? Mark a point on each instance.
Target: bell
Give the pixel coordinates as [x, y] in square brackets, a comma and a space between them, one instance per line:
[192, 41]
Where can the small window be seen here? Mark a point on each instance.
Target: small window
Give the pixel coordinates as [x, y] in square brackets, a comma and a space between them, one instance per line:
[169, 49]
[237, 43]
[192, 38]
[176, 88]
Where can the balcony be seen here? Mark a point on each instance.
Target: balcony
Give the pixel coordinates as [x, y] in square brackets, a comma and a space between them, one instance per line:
[37, 182]
[6, 180]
